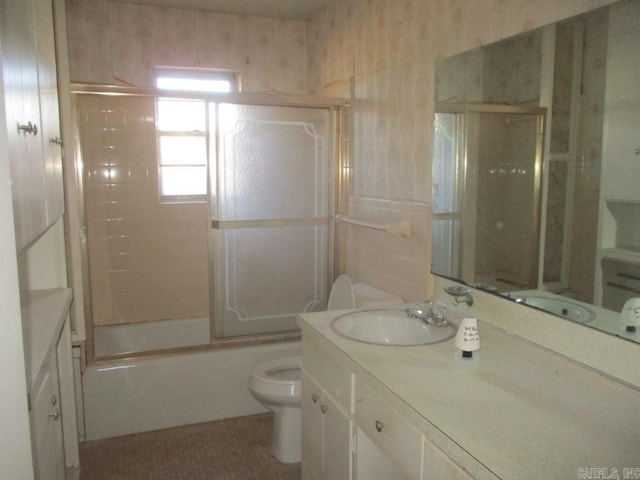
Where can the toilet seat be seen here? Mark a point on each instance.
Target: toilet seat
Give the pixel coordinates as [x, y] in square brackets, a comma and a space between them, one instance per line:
[342, 295]
[281, 370]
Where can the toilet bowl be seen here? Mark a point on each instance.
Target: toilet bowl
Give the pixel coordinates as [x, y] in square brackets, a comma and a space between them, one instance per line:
[276, 383]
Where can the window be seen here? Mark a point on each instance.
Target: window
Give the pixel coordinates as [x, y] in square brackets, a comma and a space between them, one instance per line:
[196, 80]
[182, 147]
[182, 131]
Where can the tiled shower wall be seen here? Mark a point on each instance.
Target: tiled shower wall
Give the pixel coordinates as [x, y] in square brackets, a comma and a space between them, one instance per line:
[147, 258]
[394, 263]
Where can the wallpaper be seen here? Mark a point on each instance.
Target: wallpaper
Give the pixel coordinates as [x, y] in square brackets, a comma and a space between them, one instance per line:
[390, 47]
[115, 43]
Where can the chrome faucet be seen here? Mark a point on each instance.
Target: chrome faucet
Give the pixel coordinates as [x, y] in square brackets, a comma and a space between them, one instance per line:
[429, 314]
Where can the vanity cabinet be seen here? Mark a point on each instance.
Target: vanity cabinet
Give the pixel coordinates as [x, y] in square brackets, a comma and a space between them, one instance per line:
[52, 407]
[33, 125]
[46, 425]
[327, 429]
[349, 431]
[388, 429]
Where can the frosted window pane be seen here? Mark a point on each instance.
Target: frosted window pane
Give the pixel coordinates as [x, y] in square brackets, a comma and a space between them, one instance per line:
[183, 151]
[178, 181]
[181, 115]
[274, 272]
[273, 162]
[193, 84]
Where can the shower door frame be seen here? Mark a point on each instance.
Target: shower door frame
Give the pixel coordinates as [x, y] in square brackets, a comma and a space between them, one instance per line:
[333, 159]
[463, 110]
[334, 105]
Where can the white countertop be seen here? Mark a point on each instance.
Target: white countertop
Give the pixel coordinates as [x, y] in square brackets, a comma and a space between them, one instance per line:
[43, 315]
[605, 320]
[519, 410]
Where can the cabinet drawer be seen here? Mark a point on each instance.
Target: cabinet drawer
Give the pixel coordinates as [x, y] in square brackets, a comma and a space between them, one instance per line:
[388, 429]
[437, 466]
[335, 379]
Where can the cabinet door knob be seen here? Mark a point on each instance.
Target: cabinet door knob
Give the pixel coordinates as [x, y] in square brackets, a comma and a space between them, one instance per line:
[56, 141]
[54, 400]
[55, 414]
[315, 397]
[30, 128]
[379, 425]
[323, 408]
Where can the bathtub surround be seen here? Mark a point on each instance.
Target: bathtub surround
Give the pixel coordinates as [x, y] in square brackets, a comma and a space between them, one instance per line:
[393, 263]
[173, 390]
[145, 256]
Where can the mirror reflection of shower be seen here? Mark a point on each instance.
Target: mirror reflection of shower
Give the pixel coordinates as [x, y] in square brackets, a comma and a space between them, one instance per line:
[486, 186]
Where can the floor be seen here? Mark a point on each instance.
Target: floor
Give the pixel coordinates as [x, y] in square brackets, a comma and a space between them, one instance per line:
[231, 449]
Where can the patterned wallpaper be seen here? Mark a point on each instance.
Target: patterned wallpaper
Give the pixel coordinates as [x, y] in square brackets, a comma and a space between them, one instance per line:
[115, 43]
[390, 48]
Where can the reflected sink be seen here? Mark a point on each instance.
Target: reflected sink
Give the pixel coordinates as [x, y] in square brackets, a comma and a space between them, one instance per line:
[389, 327]
[562, 308]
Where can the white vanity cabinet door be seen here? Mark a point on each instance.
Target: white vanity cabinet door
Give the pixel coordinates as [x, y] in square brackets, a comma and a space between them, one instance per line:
[336, 442]
[326, 434]
[437, 466]
[312, 436]
[46, 425]
[373, 464]
[388, 429]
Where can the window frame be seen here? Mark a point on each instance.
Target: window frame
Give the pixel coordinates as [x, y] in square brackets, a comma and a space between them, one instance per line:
[164, 167]
[188, 74]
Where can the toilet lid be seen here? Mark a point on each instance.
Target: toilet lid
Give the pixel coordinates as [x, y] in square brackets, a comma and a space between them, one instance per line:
[341, 294]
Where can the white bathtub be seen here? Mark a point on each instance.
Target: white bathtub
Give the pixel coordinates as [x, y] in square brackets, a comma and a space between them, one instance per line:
[131, 396]
[146, 336]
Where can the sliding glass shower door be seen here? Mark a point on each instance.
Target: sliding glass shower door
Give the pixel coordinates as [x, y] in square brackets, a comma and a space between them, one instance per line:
[270, 208]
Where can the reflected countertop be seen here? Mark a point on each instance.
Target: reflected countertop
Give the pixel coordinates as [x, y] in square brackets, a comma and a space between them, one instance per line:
[515, 411]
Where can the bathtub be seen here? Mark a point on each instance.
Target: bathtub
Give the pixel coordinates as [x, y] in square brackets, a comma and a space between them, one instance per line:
[121, 397]
[154, 335]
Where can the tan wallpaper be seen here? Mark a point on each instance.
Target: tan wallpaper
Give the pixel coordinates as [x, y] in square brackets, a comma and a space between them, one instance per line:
[390, 48]
[115, 43]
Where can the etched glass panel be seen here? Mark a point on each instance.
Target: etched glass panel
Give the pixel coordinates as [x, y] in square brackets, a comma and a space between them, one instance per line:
[272, 165]
[272, 162]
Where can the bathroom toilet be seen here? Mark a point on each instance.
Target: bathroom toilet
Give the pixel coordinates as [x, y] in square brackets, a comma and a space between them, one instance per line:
[276, 383]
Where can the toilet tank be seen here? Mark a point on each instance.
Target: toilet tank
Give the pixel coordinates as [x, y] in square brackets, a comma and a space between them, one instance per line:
[367, 296]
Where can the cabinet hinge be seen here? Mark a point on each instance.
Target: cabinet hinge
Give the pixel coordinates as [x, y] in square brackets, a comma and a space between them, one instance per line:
[29, 401]
[353, 444]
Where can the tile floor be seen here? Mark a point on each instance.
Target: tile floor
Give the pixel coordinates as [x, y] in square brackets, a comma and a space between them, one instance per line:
[231, 449]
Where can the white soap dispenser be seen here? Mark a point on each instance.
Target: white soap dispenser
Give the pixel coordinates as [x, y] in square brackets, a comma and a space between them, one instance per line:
[468, 337]
[630, 315]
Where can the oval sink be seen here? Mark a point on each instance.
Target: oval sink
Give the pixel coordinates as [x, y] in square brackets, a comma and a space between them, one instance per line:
[389, 327]
[562, 308]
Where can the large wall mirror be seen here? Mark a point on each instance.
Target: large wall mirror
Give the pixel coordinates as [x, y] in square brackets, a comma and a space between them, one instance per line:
[536, 169]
